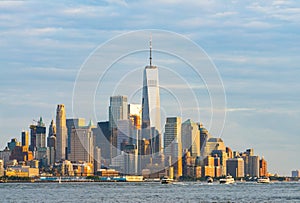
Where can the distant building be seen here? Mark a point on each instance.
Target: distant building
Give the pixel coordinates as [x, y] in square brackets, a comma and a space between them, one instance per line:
[173, 144]
[82, 145]
[51, 143]
[102, 140]
[204, 136]
[235, 167]
[25, 138]
[13, 143]
[118, 110]
[4, 155]
[73, 123]
[251, 165]
[151, 118]
[37, 135]
[21, 171]
[1, 167]
[263, 167]
[296, 174]
[213, 144]
[61, 132]
[190, 136]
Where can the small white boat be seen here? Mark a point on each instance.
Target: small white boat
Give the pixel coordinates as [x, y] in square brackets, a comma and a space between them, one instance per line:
[227, 180]
[166, 180]
[263, 180]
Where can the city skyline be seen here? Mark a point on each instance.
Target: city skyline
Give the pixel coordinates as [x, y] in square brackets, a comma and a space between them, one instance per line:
[256, 57]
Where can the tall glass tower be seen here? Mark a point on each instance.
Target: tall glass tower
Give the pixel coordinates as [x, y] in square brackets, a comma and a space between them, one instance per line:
[61, 132]
[151, 129]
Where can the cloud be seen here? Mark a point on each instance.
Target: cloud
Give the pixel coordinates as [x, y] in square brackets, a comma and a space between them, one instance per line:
[239, 109]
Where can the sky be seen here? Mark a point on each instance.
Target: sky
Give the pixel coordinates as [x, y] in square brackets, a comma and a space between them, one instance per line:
[254, 46]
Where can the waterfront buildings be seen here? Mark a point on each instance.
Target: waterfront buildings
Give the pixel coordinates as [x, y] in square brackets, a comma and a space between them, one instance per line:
[61, 132]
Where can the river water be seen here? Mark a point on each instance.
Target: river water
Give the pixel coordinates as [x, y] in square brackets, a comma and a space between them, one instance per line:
[149, 192]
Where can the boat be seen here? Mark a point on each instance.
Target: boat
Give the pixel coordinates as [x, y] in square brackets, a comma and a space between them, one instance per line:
[263, 180]
[166, 180]
[210, 180]
[227, 180]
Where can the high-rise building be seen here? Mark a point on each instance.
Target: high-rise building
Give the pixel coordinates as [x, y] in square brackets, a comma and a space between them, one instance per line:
[263, 167]
[213, 144]
[190, 136]
[102, 140]
[135, 114]
[40, 134]
[1, 168]
[25, 138]
[37, 135]
[151, 129]
[73, 123]
[51, 140]
[253, 166]
[204, 136]
[61, 132]
[82, 145]
[173, 144]
[118, 110]
[235, 167]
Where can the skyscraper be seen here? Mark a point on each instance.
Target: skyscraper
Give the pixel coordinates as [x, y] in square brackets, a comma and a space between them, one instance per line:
[118, 110]
[61, 132]
[51, 142]
[151, 129]
[190, 135]
[82, 145]
[173, 144]
[25, 138]
[235, 167]
[37, 135]
[73, 123]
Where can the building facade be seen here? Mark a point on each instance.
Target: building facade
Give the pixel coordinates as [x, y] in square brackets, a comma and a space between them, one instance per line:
[61, 132]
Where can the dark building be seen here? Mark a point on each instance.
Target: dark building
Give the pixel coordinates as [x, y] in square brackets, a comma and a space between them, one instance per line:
[103, 139]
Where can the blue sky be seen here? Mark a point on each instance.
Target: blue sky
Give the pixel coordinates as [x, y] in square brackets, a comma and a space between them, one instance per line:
[255, 46]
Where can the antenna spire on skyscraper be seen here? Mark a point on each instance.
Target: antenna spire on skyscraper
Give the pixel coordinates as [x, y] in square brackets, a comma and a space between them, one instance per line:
[150, 43]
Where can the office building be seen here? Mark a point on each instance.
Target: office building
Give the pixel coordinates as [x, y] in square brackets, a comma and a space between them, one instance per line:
[173, 144]
[151, 129]
[1, 168]
[61, 132]
[102, 135]
[118, 110]
[213, 144]
[263, 167]
[235, 167]
[296, 174]
[82, 145]
[25, 138]
[73, 123]
[190, 136]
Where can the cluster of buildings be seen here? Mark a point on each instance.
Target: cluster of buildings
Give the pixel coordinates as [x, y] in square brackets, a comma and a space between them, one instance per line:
[130, 142]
